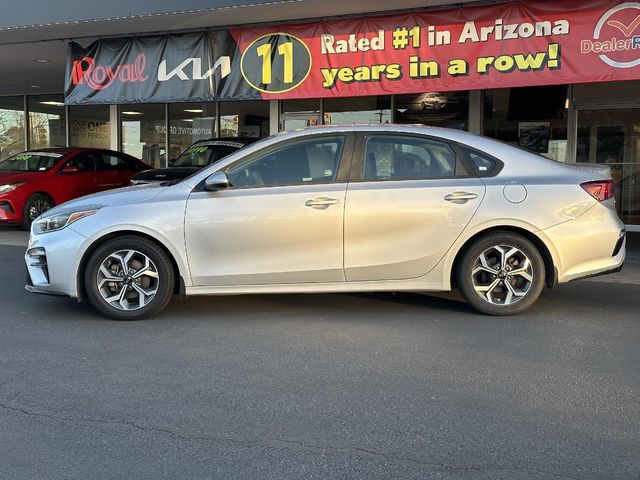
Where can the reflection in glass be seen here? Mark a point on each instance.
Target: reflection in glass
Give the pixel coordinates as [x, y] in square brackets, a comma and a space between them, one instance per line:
[89, 126]
[299, 114]
[534, 118]
[357, 110]
[244, 119]
[11, 126]
[143, 133]
[612, 137]
[47, 124]
[441, 109]
[188, 123]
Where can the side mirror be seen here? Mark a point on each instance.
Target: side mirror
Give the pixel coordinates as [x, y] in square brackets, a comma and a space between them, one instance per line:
[171, 162]
[216, 181]
[68, 170]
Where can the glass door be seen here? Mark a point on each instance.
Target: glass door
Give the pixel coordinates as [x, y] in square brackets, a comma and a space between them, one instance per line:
[612, 137]
[294, 120]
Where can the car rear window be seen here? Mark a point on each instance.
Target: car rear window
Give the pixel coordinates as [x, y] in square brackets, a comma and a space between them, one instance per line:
[31, 162]
[483, 165]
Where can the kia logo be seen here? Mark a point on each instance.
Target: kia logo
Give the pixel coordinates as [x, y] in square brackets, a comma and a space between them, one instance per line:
[223, 63]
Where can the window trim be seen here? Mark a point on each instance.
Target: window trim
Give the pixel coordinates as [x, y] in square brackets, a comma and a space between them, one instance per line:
[357, 169]
[344, 162]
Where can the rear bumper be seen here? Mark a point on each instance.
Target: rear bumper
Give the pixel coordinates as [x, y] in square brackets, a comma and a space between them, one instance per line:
[591, 245]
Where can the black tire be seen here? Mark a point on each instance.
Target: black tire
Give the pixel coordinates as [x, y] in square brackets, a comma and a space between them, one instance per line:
[36, 205]
[164, 282]
[527, 291]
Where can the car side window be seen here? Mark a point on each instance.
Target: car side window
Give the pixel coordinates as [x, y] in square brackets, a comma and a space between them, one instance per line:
[108, 162]
[482, 165]
[84, 162]
[396, 157]
[297, 163]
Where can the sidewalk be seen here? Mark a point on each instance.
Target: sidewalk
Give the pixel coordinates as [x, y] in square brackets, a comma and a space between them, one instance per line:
[14, 236]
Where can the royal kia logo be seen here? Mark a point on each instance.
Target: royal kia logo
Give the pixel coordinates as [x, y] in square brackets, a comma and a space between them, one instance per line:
[195, 73]
[99, 77]
[616, 38]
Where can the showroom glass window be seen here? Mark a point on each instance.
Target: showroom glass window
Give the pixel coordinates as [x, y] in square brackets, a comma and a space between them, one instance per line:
[441, 109]
[357, 110]
[11, 126]
[298, 163]
[188, 123]
[395, 157]
[609, 133]
[144, 132]
[533, 118]
[89, 126]
[300, 113]
[244, 119]
[47, 122]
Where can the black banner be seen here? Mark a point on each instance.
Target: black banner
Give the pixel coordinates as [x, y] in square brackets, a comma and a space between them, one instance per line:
[169, 68]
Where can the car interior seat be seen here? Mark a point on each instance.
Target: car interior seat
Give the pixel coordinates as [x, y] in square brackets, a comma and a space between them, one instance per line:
[407, 165]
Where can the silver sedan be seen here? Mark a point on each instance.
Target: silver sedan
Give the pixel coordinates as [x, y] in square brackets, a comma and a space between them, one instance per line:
[338, 209]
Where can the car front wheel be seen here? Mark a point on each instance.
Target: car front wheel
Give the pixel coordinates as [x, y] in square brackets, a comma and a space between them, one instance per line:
[129, 278]
[35, 206]
[501, 273]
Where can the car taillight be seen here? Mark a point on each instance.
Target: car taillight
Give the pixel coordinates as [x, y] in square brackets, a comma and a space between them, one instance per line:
[601, 190]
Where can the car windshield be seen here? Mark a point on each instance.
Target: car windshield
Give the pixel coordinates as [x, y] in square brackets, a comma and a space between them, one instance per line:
[31, 162]
[206, 153]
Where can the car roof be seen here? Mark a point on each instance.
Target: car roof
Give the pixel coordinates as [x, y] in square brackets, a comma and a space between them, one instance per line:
[444, 133]
[245, 140]
[67, 150]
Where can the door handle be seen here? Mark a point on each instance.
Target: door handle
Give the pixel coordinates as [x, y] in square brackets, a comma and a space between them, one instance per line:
[320, 202]
[460, 197]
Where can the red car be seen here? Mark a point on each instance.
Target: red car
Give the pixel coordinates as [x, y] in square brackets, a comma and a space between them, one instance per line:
[34, 181]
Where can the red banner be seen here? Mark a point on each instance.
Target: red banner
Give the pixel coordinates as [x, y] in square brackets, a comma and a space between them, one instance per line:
[487, 46]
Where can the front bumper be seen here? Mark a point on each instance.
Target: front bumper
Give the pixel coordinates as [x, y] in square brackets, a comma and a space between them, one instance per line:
[8, 212]
[52, 261]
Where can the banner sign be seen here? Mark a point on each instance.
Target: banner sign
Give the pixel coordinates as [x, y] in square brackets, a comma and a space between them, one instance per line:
[465, 48]
[169, 68]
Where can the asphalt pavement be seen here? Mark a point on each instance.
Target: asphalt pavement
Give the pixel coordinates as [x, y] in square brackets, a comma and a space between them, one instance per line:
[363, 386]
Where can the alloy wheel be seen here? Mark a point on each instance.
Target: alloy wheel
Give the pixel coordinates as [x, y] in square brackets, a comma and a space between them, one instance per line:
[502, 275]
[37, 208]
[127, 280]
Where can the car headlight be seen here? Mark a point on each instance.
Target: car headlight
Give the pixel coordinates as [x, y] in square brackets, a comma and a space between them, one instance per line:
[10, 187]
[62, 219]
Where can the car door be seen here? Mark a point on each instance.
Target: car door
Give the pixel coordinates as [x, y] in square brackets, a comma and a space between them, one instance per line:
[279, 222]
[410, 198]
[77, 183]
[113, 171]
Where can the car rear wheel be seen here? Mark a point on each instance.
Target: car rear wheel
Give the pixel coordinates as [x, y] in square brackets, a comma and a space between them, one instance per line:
[129, 278]
[35, 206]
[501, 274]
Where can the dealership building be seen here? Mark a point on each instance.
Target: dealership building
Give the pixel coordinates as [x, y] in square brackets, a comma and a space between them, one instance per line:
[560, 78]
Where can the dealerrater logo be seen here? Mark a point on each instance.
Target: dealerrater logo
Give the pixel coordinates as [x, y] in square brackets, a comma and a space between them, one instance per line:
[616, 37]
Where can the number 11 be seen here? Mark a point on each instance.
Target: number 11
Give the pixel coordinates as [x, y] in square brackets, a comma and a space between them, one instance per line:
[286, 50]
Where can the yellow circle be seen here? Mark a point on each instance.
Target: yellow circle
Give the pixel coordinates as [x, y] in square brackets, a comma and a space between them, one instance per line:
[269, 35]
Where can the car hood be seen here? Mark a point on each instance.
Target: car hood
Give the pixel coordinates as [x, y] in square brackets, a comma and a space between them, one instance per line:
[15, 177]
[165, 174]
[120, 196]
